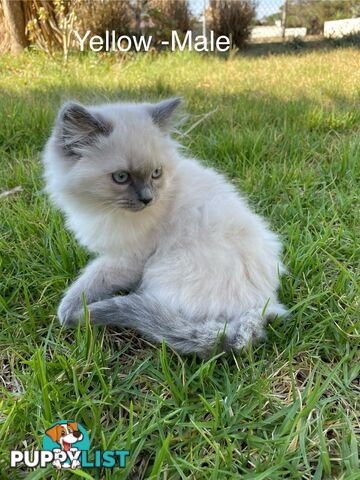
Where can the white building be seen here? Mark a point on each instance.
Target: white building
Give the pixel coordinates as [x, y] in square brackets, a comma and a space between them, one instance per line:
[277, 31]
[341, 28]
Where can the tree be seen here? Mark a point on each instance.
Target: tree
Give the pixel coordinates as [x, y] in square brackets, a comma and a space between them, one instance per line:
[160, 17]
[312, 14]
[232, 18]
[270, 19]
[15, 23]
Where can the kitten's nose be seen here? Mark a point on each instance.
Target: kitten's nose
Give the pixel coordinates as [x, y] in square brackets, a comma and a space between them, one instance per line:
[145, 196]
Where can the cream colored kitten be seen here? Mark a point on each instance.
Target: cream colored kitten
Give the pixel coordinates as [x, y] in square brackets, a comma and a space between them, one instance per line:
[200, 267]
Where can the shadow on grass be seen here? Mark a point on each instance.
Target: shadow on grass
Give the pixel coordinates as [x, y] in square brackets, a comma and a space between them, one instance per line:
[299, 46]
[248, 109]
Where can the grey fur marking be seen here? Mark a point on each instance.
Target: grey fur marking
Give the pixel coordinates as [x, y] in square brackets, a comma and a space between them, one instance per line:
[78, 127]
[161, 112]
[156, 322]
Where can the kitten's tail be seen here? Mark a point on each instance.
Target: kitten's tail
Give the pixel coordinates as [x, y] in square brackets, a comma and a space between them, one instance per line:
[144, 313]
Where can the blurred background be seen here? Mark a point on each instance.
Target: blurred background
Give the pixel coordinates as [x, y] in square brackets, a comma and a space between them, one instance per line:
[49, 25]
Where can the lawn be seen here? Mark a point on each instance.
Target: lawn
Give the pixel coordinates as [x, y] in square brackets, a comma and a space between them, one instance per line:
[286, 132]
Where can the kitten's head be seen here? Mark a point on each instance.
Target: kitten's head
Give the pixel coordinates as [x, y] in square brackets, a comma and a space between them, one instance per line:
[115, 156]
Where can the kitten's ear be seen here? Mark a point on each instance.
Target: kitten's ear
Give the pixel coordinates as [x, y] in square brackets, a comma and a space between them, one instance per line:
[162, 112]
[77, 127]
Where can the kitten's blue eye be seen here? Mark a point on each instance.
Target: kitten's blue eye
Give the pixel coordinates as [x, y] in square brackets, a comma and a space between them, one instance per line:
[157, 173]
[120, 177]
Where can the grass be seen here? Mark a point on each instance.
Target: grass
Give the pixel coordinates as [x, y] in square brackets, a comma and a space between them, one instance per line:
[286, 132]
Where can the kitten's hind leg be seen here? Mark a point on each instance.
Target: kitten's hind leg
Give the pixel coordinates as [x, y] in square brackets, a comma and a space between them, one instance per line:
[249, 326]
[157, 322]
[100, 279]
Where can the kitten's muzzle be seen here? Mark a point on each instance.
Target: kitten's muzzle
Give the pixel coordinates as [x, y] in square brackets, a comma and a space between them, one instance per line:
[145, 196]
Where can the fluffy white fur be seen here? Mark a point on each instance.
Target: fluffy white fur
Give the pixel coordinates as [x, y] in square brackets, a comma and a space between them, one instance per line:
[198, 262]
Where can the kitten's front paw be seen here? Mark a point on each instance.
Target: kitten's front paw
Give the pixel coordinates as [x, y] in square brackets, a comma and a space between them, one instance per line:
[69, 314]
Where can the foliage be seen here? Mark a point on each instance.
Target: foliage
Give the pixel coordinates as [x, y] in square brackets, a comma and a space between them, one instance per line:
[160, 17]
[232, 19]
[50, 25]
[352, 40]
[270, 19]
[312, 14]
[103, 15]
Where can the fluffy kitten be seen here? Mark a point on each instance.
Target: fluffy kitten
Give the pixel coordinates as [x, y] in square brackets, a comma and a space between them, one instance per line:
[201, 269]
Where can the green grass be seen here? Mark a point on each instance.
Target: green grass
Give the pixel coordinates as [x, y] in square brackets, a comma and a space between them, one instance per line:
[286, 132]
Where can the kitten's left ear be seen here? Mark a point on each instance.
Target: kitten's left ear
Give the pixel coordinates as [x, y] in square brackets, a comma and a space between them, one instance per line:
[162, 112]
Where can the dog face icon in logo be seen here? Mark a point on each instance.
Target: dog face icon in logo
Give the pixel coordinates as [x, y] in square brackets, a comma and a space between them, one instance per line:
[65, 434]
[66, 439]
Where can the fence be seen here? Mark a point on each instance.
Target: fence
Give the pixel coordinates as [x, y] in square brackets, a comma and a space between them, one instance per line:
[288, 19]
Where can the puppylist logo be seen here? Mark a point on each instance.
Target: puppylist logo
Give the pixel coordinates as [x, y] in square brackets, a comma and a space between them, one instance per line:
[66, 445]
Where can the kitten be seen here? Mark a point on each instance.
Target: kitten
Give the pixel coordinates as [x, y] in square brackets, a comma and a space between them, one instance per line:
[201, 269]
